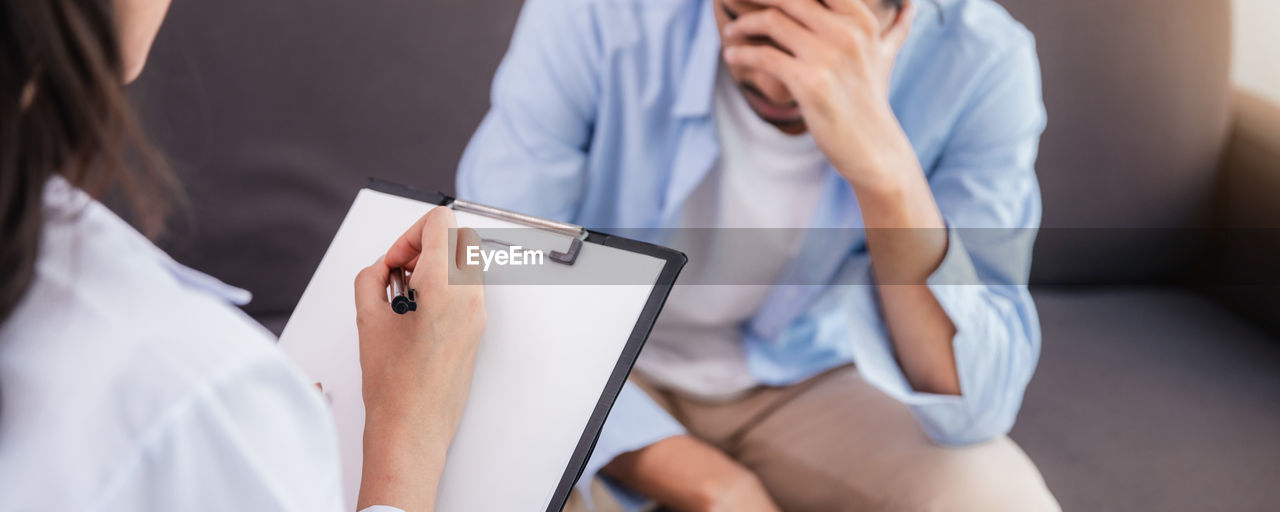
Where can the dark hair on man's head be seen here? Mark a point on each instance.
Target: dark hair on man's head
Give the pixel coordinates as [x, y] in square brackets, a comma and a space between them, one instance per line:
[63, 111]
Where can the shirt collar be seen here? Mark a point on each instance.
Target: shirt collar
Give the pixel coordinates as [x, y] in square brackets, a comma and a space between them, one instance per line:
[697, 87]
[195, 279]
[61, 200]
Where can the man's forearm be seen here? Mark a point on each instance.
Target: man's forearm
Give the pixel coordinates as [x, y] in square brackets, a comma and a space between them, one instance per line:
[907, 239]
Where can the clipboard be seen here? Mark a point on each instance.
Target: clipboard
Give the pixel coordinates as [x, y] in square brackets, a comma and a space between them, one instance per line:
[516, 448]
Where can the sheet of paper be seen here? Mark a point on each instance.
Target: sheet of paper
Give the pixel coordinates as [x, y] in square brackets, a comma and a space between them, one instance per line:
[546, 355]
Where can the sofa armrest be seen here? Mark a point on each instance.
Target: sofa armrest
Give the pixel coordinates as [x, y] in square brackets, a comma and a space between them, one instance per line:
[1242, 269]
[1249, 180]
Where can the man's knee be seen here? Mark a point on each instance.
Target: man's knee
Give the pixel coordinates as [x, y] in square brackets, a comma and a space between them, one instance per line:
[990, 477]
[993, 476]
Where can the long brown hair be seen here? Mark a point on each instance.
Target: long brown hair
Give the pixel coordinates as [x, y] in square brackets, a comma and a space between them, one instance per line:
[63, 111]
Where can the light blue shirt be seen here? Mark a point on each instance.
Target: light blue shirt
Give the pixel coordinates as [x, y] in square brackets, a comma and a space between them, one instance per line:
[601, 116]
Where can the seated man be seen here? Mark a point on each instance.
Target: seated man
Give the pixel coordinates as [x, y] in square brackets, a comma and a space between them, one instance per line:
[865, 357]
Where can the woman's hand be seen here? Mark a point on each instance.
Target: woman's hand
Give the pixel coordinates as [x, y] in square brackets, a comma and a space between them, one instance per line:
[417, 367]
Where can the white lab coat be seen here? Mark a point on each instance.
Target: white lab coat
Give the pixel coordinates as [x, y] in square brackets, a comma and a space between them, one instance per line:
[129, 382]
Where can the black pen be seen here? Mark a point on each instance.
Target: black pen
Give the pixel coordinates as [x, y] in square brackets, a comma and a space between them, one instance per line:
[402, 299]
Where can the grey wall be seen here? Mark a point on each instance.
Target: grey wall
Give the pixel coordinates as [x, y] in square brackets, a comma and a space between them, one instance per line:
[274, 113]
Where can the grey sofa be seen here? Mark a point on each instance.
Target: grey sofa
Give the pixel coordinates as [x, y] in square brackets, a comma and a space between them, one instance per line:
[1159, 383]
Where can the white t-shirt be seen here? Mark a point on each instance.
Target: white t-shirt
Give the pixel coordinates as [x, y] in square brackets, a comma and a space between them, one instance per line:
[129, 382]
[759, 196]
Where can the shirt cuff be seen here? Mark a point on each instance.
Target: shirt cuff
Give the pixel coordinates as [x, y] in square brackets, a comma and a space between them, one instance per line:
[635, 422]
[956, 287]
[997, 337]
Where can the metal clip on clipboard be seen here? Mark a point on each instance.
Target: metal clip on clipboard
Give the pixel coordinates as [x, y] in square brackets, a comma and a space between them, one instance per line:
[577, 233]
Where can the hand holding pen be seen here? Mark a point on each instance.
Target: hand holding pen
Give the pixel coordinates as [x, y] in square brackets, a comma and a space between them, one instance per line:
[403, 298]
[417, 367]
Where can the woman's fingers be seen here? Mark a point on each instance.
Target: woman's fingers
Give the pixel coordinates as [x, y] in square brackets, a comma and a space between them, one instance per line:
[404, 252]
[467, 274]
[435, 251]
[371, 285]
[437, 238]
[426, 241]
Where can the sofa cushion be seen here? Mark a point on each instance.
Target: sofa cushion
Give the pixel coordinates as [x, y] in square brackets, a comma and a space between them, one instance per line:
[1152, 399]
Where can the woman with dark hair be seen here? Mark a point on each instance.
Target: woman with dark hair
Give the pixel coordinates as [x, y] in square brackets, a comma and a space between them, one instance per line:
[129, 382]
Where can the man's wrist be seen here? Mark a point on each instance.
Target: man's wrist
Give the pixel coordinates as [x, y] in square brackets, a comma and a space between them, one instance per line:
[885, 177]
[884, 198]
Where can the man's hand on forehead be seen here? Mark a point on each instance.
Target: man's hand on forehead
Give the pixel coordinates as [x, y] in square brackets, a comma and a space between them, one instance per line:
[836, 60]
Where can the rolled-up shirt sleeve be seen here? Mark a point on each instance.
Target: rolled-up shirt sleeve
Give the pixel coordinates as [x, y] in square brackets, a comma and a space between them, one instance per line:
[997, 344]
[985, 186]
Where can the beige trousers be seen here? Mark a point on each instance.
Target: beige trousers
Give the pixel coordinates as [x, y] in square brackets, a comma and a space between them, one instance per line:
[836, 443]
